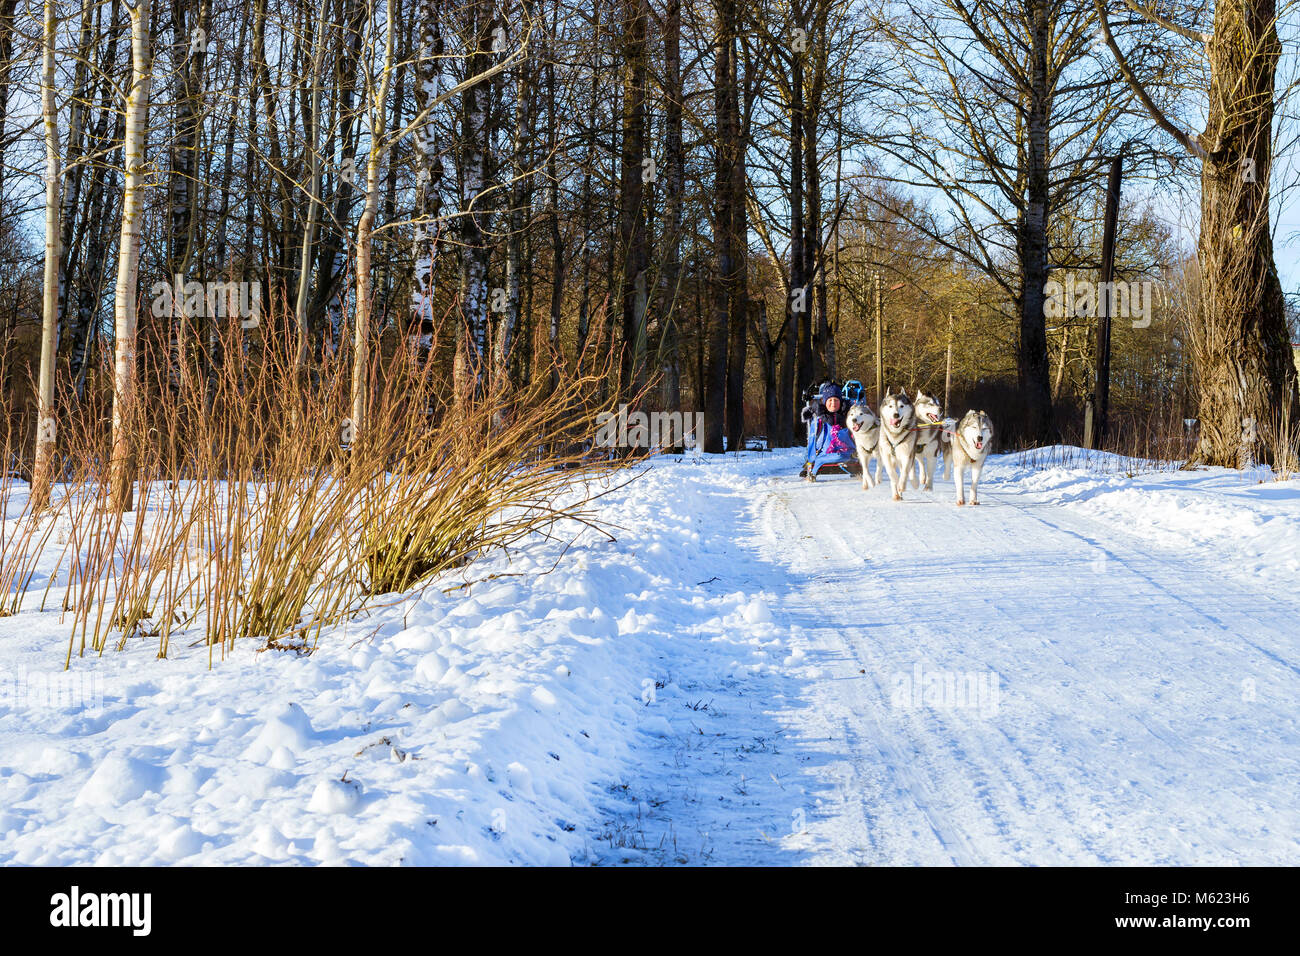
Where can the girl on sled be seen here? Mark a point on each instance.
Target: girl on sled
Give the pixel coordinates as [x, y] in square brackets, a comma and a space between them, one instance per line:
[829, 439]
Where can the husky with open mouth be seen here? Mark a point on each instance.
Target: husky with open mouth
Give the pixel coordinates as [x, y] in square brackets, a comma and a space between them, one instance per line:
[970, 446]
[897, 446]
[865, 427]
[929, 440]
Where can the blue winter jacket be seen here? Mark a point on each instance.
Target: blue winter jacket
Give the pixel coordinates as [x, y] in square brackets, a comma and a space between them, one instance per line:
[829, 442]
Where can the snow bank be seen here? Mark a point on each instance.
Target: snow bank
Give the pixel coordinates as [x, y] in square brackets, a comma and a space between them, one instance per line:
[480, 726]
[1243, 518]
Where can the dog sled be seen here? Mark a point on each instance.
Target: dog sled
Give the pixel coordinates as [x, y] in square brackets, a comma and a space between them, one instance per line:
[830, 445]
[845, 434]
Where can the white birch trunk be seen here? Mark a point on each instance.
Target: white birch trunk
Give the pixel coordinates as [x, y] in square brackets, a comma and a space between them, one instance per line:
[428, 89]
[128, 262]
[374, 163]
[471, 351]
[45, 426]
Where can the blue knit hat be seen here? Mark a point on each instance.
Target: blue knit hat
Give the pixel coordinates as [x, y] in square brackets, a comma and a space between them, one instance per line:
[829, 390]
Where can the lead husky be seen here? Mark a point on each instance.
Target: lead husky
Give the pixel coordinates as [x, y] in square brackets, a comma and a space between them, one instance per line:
[929, 440]
[865, 427]
[969, 448]
[897, 444]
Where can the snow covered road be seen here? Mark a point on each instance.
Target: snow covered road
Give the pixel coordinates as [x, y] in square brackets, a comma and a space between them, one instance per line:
[1009, 684]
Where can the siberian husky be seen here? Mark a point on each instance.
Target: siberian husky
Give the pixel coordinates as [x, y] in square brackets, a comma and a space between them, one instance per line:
[929, 440]
[897, 444]
[969, 448]
[865, 427]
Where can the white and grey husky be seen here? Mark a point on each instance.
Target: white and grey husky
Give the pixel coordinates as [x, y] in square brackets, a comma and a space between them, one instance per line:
[897, 445]
[970, 446]
[865, 428]
[929, 440]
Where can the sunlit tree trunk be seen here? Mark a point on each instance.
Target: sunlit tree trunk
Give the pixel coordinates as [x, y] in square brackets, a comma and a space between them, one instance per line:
[1245, 366]
[45, 423]
[125, 304]
[365, 227]
[1246, 376]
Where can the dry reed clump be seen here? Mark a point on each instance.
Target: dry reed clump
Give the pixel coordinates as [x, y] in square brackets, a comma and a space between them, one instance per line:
[1281, 436]
[262, 510]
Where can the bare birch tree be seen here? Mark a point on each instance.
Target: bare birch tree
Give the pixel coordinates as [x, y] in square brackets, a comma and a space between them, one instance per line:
[125, 303]
[45, 421]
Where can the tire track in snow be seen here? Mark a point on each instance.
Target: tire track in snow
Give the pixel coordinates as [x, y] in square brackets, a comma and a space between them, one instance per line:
[860, 731]
[1117, 702]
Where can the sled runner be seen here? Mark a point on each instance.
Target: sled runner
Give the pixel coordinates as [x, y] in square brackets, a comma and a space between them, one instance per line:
[851, 468]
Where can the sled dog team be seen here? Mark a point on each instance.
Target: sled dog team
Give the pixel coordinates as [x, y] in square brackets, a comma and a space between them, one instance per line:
[906, 438]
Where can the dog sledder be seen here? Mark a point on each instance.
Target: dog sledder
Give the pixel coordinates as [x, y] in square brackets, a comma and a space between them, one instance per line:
[906, 439]
[829, 441]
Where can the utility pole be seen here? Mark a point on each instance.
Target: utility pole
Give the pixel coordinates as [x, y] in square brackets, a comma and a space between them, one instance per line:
[1105, 297]
[880, 351]
[947, 375]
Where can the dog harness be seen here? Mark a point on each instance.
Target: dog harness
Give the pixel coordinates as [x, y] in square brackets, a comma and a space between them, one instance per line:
[965, 446]
[884, 433]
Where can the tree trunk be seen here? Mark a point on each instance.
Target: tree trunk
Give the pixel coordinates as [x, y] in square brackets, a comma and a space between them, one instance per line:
[475, 220]
[428, 197]
[190, 49]
[632, 221]
[77, 214]
[388, 251]
[770, 353]
[325, 314]
[715, 383]
[675, 160]
[506, 324]
[787, 406]
[45, 425]
[1105, 309]
[1031, 357]
[215, 340]
[365, 226]
[313, 190]
[739, 287]
[798, 306]
[7, 10]
[125, 305]
[557, 238]
[813, 276]
[1245, 369]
